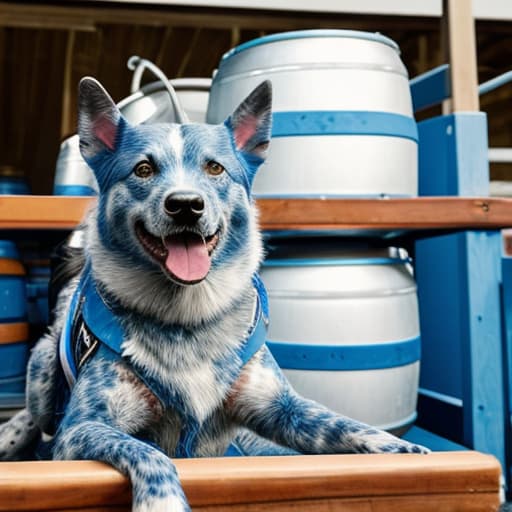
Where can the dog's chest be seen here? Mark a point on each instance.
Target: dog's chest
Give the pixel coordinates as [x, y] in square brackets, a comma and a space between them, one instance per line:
[211, 438]
[190, 371]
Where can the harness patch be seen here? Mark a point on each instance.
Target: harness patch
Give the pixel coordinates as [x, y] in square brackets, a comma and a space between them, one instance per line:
[86, 343]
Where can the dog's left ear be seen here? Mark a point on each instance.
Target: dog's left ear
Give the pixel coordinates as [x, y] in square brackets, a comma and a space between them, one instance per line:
[251, 123]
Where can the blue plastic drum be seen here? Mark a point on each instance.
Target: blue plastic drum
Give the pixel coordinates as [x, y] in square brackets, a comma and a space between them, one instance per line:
[13, 315]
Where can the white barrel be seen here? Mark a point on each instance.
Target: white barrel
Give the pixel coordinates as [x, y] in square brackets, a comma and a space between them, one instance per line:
[342, 113]
[344, 327]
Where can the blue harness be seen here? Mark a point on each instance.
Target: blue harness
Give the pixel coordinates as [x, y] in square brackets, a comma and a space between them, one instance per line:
[91, 327]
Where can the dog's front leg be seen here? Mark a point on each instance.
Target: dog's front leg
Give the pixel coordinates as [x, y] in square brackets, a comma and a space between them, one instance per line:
[155, 483]
[263, 401]
[108, 407]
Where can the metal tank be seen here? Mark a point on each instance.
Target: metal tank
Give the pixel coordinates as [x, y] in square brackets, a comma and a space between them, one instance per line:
[344, 326]
[342, 113]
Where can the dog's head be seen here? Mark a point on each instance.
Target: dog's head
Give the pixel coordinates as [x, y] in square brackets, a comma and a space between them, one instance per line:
[174, 203]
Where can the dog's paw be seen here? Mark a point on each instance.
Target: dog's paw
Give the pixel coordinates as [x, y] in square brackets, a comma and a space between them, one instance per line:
[166, 504]
[382, 442]
[399, 447]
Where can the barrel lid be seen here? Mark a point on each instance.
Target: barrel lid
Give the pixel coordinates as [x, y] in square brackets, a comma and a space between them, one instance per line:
[330, 252]
[8, 250]
[301, 34]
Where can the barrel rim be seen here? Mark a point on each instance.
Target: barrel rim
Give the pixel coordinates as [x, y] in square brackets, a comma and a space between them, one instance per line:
[316, 33]
[332, 261]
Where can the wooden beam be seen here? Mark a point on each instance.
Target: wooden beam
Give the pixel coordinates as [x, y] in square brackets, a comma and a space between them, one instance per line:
[461, 54]
[463, 481]
[78, 16]
[422, 213]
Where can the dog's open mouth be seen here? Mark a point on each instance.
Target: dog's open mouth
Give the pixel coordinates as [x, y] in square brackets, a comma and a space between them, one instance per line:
[186, 256]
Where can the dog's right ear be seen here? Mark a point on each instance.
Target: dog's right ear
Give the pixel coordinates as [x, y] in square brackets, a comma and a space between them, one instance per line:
[251, 122]
[99, 119]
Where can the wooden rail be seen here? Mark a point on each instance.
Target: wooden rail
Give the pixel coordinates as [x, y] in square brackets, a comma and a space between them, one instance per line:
[462, 481]
[423, 213]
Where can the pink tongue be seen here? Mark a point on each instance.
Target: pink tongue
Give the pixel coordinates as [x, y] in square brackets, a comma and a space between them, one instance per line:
[187, 257]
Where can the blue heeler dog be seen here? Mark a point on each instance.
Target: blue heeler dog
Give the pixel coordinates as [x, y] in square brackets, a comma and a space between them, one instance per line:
[157, 348]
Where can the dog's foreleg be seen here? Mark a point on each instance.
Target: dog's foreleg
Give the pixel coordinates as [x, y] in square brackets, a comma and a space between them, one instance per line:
[43, 364]
[155, 483]
[17, 437]
[108, 407]
[41, 382]
[264, 401]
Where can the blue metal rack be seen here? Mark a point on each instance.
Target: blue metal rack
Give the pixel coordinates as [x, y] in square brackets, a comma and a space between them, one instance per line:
[464, 390]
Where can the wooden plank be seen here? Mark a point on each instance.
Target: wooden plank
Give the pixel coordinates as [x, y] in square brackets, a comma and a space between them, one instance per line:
[85, 18]
[422, 213]
[387, 214]
[419, 503]
[327, 482]
[425, 503]
[461, 48]
[42, 212]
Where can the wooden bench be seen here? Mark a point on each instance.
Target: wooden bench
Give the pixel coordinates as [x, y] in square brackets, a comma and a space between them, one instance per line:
[443, 481]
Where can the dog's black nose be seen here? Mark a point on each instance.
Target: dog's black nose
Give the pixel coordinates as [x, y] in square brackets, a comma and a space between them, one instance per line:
[184, 207]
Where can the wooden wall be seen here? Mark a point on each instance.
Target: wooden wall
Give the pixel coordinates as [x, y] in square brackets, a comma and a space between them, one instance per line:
[45, 49]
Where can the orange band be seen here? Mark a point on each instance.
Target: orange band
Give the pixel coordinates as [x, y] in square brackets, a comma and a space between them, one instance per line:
[13, 333]
[11, 267]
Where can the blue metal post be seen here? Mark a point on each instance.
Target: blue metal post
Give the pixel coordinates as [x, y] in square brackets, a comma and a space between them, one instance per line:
[459, 279]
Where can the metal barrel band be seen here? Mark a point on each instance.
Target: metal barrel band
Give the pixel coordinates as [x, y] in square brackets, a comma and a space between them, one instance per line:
[73, 190]
[375, 356]
[13, 332]
[343, 122]
[10, 268]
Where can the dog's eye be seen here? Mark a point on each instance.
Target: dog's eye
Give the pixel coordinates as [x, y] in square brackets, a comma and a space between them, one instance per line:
[213, 168]
[144, 169]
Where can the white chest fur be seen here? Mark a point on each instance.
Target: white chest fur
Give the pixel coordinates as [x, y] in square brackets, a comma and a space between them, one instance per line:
[196, 364]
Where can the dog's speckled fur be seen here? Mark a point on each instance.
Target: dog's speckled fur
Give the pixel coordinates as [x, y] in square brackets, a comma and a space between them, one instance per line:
[185, 337]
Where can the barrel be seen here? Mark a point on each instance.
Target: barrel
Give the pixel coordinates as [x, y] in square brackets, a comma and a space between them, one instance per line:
[343, 122]
[38, 281]
[13, 320]
[12, 181]
[344, 327]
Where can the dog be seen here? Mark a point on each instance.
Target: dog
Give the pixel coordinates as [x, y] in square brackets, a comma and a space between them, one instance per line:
[157, 347]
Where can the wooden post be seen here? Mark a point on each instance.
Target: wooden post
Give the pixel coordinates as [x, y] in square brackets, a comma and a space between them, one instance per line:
[67, 127]
[458, 29]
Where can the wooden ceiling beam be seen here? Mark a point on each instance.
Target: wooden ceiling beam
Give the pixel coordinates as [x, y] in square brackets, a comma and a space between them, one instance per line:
[80, 17]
